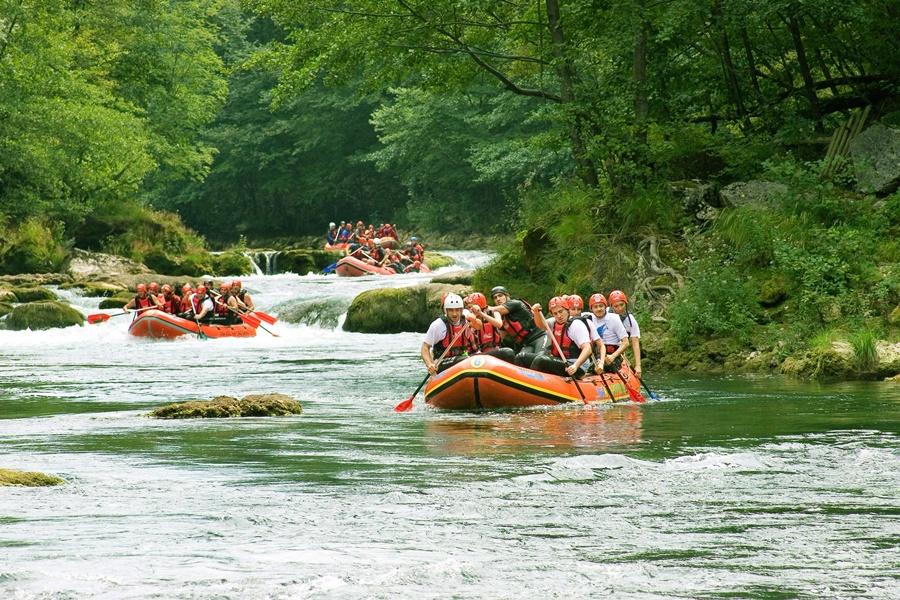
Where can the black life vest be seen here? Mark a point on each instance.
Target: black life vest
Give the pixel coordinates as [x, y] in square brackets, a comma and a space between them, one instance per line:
[221, 307]
[463, 344]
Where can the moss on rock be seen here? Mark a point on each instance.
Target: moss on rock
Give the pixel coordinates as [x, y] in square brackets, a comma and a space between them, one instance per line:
[102, 289]
[461, 277]
[115, 302]
[231, 263]
[301, 261]
[34, 294]
[27, 478]
[43, 315]
[5, 308]
[253, 405]
[438, 261]
[8, 296]
[390, 310]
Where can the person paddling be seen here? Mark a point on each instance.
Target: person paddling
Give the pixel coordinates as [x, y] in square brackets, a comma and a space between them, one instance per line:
[487, 336]
[442, 334]
[517, 321]
[142, 300]
[202, 305]
[244, 301]
[613, 337]
[619, 305]
[573, 340]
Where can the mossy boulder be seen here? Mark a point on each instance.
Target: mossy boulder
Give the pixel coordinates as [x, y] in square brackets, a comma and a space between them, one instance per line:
[774, 291]
[390, 310]
[27, 478]
[438, 261]
[159, 262]
[5, 308]
[254, 405]
[117, 301]
[93, 289]
[43, 315]
[231, 263]
[34, 294]
[302, 261]
[461, 277]
[837, 360]
[8, 296]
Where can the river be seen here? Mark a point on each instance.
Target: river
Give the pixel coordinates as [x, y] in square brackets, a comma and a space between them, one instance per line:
[725, 488]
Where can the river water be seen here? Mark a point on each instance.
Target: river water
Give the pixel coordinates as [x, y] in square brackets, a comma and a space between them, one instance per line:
[726, 488]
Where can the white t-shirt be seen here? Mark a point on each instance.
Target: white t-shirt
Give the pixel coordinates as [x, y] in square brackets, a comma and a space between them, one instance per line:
[609, 328]
[578, 332]
[631, 325]
[437, 331]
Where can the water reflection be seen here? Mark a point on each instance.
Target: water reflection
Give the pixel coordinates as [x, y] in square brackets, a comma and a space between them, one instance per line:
[606, 429]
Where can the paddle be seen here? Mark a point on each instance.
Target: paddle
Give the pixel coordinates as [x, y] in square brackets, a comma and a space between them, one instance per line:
[603, 379]
[632, 393]
[101, 317]
[329, 268]
[265, 317]
[407, 404]
[253, 319]
[649, 391]
[561, 355]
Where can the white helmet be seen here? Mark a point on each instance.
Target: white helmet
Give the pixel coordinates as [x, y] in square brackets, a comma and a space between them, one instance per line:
[331, 224]
[453, 301]
[377, 241]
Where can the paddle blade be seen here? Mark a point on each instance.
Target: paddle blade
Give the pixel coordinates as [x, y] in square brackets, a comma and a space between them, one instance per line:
[263, 316]
[634, 394]
[406, 405]
[251, 320]
[98, 318]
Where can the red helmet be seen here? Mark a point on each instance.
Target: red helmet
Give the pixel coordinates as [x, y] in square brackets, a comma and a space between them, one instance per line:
[575, 302]
[153, 287]
[186, 288]
[359, 223]
[141, 287]
[558, 302]
[479, 299]
[617, 296]
[201, 290]
[236, 283]
[597, 298]
[417, 263]
[224, 287]
[166, 288]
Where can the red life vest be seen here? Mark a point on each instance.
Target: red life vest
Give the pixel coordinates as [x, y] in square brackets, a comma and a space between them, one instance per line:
[171, 303]
[144, 302]
[221, 307]
[517, 329]
[568, 347]
[487, 338]
[463, 344]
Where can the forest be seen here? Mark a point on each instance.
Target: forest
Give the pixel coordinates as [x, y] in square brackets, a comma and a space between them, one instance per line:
[567, 130]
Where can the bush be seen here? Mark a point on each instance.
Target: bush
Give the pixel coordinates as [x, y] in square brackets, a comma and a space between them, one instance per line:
[31, 247]
[715, 302]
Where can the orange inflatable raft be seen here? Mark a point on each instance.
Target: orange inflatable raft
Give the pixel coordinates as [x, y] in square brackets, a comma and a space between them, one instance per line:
[353, 267]
[486, 382]
[386, 242]
[159, 324]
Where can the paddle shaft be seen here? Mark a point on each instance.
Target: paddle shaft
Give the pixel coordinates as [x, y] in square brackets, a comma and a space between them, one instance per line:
[100, 317]
[602, 378]
[407, 404]
[562, 357]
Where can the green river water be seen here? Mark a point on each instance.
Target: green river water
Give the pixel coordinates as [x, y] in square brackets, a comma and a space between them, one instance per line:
[726, 488]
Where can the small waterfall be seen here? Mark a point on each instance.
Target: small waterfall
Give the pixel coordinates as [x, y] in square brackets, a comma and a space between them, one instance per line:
[265, 262]
[252, 256]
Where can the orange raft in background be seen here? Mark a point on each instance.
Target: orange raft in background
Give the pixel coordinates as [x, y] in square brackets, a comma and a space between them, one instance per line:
[159, 324]
[385, 242]
[486, 382]
[353, 267]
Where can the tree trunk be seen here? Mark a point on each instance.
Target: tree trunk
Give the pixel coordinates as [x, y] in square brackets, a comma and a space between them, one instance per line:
[808, 83]
[586, 169]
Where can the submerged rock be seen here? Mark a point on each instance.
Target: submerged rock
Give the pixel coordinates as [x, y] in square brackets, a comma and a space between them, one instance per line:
[43, 315]
[254, 405]
[438, 261]
[461, 277]
[324, 313]
[27, 478]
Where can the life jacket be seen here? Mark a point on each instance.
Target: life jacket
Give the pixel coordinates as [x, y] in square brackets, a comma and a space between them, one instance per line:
[488, 338]
[221, 307]
[171, 304]
[463, 344]
[517, 329]
[568, 347]
[144, 302]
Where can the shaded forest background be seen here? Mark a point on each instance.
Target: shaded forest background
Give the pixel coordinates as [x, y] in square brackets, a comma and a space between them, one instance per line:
[168, 126]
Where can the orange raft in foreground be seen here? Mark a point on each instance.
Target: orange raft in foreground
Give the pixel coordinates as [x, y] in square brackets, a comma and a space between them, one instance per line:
[485, 382]
[159, 324]
[353, 267]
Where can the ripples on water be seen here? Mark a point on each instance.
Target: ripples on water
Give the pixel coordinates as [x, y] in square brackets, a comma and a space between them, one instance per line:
[728, 488]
